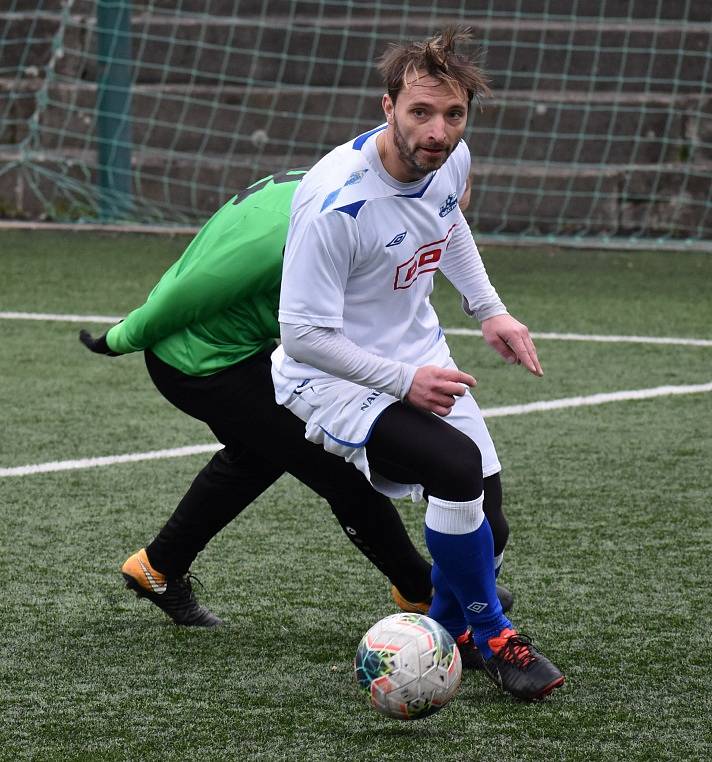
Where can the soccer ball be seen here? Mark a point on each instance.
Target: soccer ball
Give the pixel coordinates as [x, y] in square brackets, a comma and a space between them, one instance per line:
[408, 665]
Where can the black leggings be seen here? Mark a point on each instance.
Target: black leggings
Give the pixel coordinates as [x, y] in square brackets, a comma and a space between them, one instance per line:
[411, 446]
[263, 440]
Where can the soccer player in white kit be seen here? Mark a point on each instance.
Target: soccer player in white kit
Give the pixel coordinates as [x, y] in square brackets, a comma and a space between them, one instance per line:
[363, 359]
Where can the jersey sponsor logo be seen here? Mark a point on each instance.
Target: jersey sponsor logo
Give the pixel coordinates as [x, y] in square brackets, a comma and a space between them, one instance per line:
[477, 607]
[448, 205]
[372, 397]
[424, 260]
[398, 239]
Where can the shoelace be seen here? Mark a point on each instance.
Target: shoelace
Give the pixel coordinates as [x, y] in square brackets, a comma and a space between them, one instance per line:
[190, 576]
[185, 582]
[518, 650]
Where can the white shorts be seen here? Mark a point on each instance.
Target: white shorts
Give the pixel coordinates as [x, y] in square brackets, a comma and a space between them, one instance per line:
[340, 416]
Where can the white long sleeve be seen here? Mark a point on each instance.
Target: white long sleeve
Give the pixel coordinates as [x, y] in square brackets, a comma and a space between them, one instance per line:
[463, 267]
[329, 350]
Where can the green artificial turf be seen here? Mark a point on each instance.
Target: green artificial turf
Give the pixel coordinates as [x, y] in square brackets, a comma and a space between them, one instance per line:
[609, 553]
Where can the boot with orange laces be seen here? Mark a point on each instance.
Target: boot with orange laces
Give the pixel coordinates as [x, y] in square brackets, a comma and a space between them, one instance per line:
[518, 668]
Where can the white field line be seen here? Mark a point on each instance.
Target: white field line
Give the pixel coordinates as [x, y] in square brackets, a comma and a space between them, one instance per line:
[670, 340]
[493, 412]
[681, 341]
[108, 460]
[596, 399]
[59, 318]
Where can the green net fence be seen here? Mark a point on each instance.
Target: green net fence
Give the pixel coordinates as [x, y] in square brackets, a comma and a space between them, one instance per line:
[157, 111]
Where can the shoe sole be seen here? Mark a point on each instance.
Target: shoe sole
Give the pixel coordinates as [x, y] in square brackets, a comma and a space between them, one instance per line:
[543, 693]
[551, 687]
[132, 584]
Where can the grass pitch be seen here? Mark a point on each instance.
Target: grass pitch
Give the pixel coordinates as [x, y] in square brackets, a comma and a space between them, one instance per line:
[609, 555]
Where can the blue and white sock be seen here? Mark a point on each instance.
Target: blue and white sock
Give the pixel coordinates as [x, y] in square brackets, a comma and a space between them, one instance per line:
[459, 539]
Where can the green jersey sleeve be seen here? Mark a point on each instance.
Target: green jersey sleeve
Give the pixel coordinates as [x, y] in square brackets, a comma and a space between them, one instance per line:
[231, 268]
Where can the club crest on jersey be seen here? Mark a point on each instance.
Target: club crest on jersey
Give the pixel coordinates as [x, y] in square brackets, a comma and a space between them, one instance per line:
[355, 177]
[448, 205]
[398, 239]
[424, 260]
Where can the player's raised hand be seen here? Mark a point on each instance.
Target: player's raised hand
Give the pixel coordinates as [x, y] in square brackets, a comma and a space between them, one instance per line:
[97, 345]
[435, 389]
[512, 340]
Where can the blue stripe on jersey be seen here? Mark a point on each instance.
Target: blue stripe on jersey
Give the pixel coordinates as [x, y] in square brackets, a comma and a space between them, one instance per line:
[351, 209]
[419, 194]
[357, 145]
[353, 179]
[344, 442]
[355, 444]
[330, 199]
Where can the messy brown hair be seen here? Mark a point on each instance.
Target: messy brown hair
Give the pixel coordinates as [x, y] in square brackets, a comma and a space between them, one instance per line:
[437, 57]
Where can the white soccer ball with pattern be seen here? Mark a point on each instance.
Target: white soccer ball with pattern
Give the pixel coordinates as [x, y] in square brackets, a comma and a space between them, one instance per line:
[408, 665]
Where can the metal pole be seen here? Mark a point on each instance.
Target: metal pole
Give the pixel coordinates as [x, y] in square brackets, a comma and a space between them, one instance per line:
[113, 124]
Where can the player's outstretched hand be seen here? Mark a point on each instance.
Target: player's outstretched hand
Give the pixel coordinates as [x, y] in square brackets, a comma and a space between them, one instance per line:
[435, 389]
[98, 345]
[512, 340]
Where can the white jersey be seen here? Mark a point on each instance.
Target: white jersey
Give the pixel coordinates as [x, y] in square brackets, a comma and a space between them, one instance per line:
[360, 258]
[362, 251]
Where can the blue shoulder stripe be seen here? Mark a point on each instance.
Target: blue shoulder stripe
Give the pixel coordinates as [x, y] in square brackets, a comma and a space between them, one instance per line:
[330, 199]
[357, 145]
[352, 209]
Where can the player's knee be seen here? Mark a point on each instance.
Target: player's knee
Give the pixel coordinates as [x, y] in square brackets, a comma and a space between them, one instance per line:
[460, 475]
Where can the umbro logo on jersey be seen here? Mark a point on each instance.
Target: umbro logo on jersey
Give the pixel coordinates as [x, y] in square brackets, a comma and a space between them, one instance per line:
[156, 586]
[448, 205]
[398, 239]
[477, 607]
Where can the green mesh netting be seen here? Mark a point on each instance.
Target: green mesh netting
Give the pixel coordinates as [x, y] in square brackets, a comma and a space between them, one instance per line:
[156, 111]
